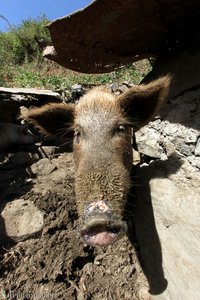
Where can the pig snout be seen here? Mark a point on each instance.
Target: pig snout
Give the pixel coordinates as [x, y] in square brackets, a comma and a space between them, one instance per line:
[100, 226]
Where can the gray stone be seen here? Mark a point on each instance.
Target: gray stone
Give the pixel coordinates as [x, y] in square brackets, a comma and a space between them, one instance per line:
[178, 132]
[28, 91]
[48, 151]
[195, 161]
[197, 148]
[77, 92]
[123, 88]
[43, 167]
[128, 83]
[77, 87]
[183, 147]
[114, 87]
[148, 142]
[22, 220]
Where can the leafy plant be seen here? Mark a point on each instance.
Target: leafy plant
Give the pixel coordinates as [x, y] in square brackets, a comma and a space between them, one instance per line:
[18, 45]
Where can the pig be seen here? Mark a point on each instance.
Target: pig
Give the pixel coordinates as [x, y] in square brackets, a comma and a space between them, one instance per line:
[100, 126]
[14, 134]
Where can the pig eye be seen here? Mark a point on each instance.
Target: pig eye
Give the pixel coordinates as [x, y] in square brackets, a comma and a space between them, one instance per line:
[120, 129]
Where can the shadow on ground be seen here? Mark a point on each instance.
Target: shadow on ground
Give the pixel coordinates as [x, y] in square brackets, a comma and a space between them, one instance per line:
[13, 185]
[142, 228]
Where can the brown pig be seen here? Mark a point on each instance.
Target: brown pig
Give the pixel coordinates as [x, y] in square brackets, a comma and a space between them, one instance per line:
[100, 126]
[14, 134]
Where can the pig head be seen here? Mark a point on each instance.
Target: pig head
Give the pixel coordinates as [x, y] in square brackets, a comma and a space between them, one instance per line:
[100, 126]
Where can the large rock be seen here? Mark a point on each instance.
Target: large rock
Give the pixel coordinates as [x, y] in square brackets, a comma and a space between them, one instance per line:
[178, 128]
[20, 219]
[43, 167]
[177, 133]
[168, 230]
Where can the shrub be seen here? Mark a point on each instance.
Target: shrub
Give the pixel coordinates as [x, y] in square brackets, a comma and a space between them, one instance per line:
[18, 44]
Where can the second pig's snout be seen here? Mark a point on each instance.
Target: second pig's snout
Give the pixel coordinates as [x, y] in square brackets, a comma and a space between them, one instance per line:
[101, 227]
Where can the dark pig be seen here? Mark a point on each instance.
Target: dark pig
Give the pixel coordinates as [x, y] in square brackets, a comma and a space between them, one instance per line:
[14, 134]
[101, 128]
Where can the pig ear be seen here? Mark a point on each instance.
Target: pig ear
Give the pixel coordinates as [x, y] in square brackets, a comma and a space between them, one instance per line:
[51, 119]
[141, 103]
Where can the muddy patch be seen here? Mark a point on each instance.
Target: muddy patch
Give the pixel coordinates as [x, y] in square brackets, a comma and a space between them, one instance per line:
[57, 264]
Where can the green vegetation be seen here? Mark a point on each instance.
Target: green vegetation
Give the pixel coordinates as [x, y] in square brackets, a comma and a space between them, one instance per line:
[18, 46]
[22, 65]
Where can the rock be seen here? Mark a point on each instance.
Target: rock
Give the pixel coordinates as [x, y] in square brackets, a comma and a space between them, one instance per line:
[28, 92]
[43, 167]
[77, 88]
[197, 148]
[195, 161]
[114, 87]
[118, 89]
[148, 141]
[168, 232]
[48, 151]
[182, 146]
[77, 91]
[127, 83]
[123, 88]
[177, 133]
[22, 220]
[136, 157]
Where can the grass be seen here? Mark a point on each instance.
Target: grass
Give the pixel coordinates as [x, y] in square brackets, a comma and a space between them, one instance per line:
[22, 64]
[49, 75]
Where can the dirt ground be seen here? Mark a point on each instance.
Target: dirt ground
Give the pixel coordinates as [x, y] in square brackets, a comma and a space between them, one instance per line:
[57, 264]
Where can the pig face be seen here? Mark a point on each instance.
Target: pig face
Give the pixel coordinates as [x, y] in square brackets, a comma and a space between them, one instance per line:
[101, 125]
